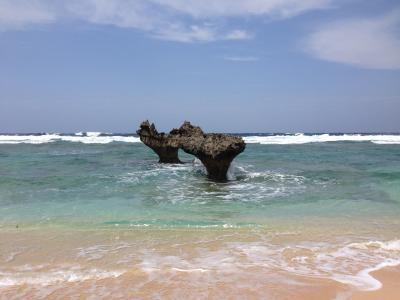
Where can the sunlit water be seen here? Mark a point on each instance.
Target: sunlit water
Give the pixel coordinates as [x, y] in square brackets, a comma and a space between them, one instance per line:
[99, 214]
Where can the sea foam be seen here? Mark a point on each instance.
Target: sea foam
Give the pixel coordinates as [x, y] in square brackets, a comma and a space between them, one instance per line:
[350, 264]
[88, 138]
[287, 139]
[301, 138]
[54, 276]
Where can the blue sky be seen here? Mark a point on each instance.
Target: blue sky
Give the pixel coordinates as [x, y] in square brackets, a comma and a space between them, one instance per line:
[231, 66]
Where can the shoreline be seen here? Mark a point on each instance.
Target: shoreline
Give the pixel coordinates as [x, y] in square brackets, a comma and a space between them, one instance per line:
[172, 263]
[390, 278]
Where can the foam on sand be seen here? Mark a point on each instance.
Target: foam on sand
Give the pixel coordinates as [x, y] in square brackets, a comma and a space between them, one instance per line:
[242, 264]
[350, 264]
[54, 276]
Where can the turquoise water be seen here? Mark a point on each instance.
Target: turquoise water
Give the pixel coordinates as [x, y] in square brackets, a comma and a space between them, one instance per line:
[65, 183]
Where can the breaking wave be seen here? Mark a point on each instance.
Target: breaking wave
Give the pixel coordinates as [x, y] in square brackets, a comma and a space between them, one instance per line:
[285, 139]
[301, 138]
[85, 138]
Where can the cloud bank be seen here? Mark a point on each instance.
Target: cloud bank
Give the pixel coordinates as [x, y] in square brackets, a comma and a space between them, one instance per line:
[365, 42]
[175, 20]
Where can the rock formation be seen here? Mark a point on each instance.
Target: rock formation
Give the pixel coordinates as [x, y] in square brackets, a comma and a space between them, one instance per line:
[165, 145]
[216, 151]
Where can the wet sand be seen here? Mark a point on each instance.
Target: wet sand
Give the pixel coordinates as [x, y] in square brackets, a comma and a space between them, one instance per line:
[390, 279]
[190, 264]
[121, 288]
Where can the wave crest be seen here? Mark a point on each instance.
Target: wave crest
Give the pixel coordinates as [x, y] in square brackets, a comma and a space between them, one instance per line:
[301, 138]
[88, 138]
[287, 139]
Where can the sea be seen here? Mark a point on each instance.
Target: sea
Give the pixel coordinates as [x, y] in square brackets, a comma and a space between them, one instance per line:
[91, 215]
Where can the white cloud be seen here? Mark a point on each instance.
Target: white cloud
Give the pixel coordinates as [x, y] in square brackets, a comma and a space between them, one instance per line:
[241, 58]
[180, 33]
[368, 43]
[127, 14]
[238, 34]
[176, 20]
[235, 8]
[187, 21]
[16, 14]
[198, 33]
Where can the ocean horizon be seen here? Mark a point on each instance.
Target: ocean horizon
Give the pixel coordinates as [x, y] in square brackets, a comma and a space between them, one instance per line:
[97, 137]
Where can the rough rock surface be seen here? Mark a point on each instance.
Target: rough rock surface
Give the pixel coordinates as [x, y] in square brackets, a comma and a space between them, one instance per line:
[165, 145]
[216, 151]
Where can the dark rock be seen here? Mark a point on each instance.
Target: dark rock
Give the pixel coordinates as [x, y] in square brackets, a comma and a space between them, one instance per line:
[216, 151]
[165, 145]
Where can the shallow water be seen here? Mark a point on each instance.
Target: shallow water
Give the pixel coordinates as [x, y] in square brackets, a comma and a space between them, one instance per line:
[98, 213]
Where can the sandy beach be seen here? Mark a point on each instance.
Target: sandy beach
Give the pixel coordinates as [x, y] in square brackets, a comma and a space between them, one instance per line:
[192, 264]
